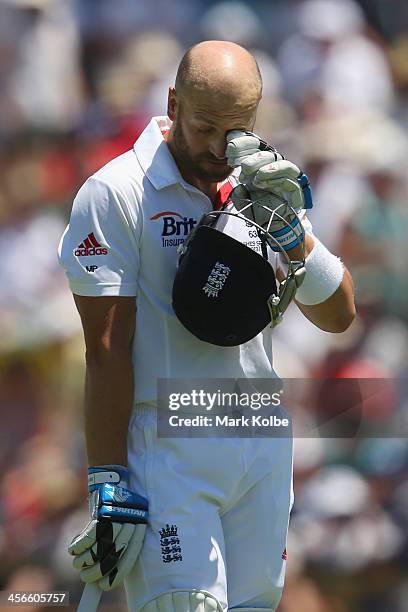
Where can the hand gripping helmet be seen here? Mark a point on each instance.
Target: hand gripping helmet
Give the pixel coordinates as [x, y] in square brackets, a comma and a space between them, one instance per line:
[225, 292]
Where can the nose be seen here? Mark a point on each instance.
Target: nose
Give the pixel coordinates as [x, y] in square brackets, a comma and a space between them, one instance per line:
[217, 148]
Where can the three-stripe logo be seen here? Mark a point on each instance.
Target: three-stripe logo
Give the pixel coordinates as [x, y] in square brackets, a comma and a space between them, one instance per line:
[90, 246]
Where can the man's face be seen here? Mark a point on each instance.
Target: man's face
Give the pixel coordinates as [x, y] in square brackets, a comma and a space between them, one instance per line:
[199, 136]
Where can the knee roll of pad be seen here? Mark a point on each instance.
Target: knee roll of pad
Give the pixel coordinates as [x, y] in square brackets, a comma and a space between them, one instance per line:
[183, 601]
[253, 609]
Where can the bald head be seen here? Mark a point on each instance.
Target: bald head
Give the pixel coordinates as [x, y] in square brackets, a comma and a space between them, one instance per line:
[218, 89]
[220, 69]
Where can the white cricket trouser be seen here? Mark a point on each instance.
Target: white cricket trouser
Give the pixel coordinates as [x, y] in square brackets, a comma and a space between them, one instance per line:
[219, 511]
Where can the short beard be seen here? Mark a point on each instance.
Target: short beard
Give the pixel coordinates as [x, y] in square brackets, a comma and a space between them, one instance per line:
[193, 165]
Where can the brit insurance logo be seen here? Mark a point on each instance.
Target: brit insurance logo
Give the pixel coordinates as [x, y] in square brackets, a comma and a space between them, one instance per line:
[89, 247]
[175, 228]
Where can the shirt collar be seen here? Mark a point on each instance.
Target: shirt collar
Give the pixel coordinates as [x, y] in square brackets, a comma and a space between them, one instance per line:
[154, 156]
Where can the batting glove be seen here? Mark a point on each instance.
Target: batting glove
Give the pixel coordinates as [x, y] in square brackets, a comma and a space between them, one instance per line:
[107, 548]
[277, 187]
[282, 178]
[242, 144]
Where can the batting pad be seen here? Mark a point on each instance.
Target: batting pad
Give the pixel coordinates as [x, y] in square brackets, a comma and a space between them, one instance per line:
[184, 601]
[252, 609]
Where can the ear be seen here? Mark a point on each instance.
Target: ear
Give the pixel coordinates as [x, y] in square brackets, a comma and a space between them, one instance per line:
[172, 104]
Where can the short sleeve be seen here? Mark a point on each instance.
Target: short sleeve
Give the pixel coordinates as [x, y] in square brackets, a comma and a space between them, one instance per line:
[99, 249]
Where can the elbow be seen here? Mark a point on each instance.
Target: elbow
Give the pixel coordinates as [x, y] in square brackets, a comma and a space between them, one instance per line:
[343, 321]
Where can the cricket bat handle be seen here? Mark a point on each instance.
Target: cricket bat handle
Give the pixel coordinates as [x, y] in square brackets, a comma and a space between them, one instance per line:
[90, 599]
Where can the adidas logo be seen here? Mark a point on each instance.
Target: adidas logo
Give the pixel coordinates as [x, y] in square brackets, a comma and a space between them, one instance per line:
[90, 246]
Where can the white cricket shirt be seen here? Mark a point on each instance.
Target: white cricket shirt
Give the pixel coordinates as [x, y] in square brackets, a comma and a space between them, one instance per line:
[126, 223]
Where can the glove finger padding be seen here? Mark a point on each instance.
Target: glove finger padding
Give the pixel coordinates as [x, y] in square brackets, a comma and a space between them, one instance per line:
[263, 206]
[281, 178]
[116, 535]
[127, 561]
[252, 164]
[267, 205]
[87, 559]
[108, 554]
[94, 530]
[274, 171]
[266, 208]
[286, 190]
[240, 145]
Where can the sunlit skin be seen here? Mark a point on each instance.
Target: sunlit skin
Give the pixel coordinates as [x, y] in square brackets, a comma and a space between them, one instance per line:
[222, 94]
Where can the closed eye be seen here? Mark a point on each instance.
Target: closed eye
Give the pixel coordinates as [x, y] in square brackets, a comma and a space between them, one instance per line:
[206, 130]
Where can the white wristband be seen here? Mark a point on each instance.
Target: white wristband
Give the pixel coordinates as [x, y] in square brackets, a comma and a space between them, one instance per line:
[324, 273]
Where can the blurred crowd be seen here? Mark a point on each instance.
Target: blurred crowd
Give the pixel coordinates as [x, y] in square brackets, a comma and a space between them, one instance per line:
[79, 80]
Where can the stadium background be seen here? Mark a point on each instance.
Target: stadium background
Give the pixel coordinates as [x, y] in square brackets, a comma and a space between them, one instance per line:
[78, 82]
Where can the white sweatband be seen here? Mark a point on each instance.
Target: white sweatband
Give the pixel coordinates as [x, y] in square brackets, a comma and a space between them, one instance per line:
[324, 273]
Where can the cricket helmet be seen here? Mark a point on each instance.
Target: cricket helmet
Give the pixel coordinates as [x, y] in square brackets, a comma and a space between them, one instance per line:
[225, 292]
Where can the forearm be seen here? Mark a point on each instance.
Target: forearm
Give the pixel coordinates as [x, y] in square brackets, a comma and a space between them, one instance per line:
[108, 405]
[336, 313]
